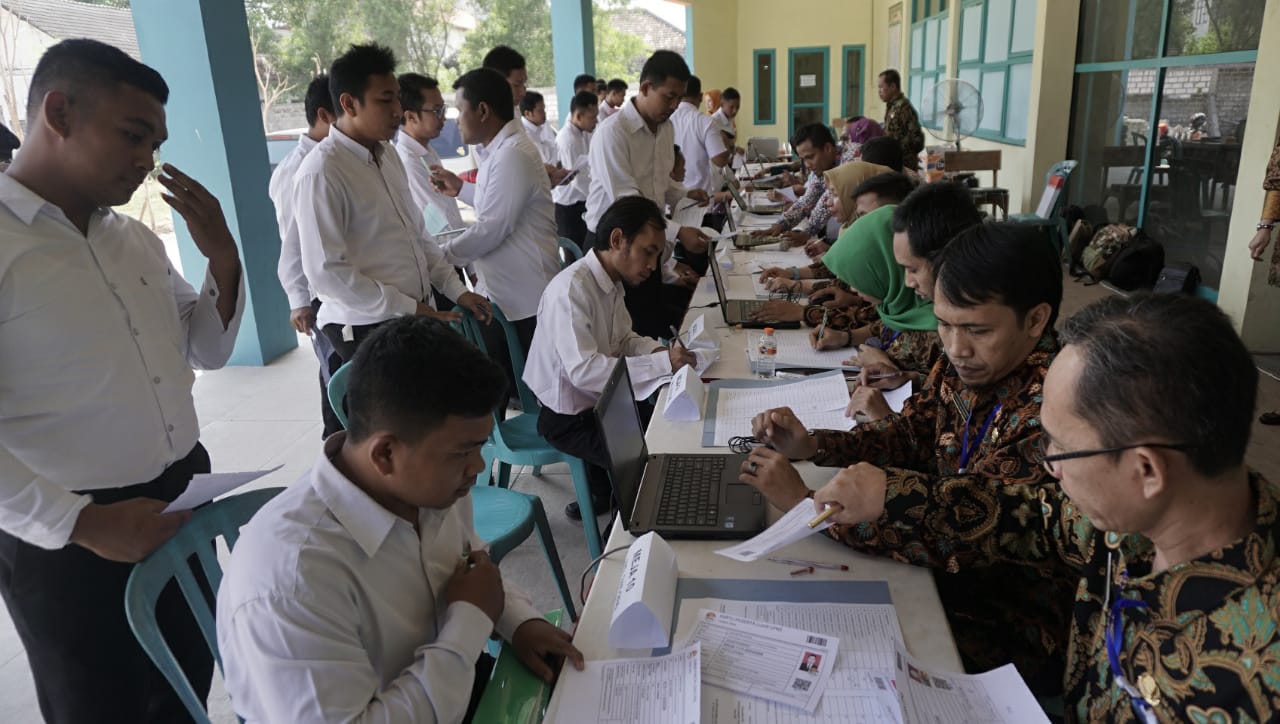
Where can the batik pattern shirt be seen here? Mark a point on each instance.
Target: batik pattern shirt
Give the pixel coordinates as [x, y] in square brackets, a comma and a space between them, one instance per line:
[1004, 610]
[901, 122]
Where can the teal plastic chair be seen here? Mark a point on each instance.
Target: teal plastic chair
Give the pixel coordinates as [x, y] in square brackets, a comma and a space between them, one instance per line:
[515, 440]
[503, 518]
[171, 561]
[569, 252]
[1056, 222]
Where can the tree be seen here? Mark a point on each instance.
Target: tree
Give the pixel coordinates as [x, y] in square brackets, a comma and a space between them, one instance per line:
[273, 83]
[522, 24]
[618, 54]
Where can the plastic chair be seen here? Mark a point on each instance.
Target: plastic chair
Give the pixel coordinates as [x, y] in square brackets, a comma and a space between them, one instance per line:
[515, 440]
[1056, 222]
[513, 695]
[172, 561]
[569, 252]
[503, 518]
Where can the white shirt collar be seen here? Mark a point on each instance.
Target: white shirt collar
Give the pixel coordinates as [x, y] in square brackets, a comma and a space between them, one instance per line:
[530, 127]
[630, 117]
[27, 204]
[306, 143]
[365, 520]
[347, 142]
[592, 261]
[409, 143]
[512, 127]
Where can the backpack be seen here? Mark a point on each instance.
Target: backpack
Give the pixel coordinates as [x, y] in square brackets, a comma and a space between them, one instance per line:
[1101, 251]
[1138, 265]
[1178, 278]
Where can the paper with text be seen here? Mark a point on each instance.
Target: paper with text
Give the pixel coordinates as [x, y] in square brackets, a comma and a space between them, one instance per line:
[787, 193]
[661, 690]
[999, 696]
[646, 596]
[818, 402]
[785, 665]
[795, 351]
[685, 396]
[207, 486]
[790, 528]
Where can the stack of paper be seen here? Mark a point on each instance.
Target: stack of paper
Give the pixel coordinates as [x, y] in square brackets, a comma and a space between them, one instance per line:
[795, 351]
[818, 401]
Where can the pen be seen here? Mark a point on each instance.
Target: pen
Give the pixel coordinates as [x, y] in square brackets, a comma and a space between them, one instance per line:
[812, 564]
[830, 511]
[689, 205]
[675, 336]
[802, 571]
[823, 327]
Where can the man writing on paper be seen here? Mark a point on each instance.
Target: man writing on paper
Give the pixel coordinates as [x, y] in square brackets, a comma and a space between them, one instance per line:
[975, 419]
[573, 143]
[584, 328]
[422, 121]
[1146, 419]
[362, 592]
[816, 146]
[98, 430]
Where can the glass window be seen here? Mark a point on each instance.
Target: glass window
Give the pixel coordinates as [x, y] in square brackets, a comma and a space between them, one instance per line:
[1003, 73]
[1200, 27]
[998, 20]
[1018, 101]
[992, 100]
[972, 76]
[931, 45]
[917, 46]
[852, 82]
[764, 87]
[971, 33]
[1024, 27]
[1104, 30]
[943, 34]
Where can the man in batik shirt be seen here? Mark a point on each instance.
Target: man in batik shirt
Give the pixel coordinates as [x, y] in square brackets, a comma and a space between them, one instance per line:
[900, 118]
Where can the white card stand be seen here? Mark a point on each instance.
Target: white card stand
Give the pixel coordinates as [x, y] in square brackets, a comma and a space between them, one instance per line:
[685, 397]
[646, 596]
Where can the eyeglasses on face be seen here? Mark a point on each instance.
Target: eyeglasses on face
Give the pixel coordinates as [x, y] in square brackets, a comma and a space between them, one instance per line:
[1049, 460]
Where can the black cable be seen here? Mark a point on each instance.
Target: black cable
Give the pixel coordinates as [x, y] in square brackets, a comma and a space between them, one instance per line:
[744, 444]
[582, 582]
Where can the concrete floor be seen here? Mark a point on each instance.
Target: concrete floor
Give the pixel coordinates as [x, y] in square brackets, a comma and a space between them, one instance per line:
[255, 418]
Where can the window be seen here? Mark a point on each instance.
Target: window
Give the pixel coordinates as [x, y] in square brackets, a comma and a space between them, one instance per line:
[808, 85]
[921, 9]
[928, 64]
[997, 39]
[763, 80]
[851, 94]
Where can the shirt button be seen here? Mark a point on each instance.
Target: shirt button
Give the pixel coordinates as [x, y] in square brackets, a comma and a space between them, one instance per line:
[135, 331]
[156, 380]
[171, 428]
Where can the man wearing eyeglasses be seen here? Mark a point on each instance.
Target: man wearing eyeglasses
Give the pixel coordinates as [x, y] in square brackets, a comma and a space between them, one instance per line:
[974, 423]
[422, 122]
[1146, 420]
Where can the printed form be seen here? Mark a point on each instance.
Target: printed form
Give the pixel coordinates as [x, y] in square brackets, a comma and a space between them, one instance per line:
[660, 690]
[817, 401]
[788, 529]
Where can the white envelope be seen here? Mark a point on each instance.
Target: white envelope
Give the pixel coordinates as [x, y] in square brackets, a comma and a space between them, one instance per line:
[685, 397]
[646, 596]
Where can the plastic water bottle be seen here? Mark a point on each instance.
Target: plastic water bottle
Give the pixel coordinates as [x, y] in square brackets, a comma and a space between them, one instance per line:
[767, 361]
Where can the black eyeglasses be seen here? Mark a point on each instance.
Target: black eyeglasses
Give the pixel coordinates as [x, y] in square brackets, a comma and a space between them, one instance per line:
[438, 111]
[1049, 460]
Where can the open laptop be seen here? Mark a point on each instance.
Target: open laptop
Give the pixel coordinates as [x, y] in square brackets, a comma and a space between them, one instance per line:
[678, 496]
[767, 207]
[738, 311]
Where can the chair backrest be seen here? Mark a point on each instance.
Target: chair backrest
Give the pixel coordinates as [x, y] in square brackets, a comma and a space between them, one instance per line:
[1062, 172]
[172, 561]
[337, 392]
[470, 328]
[954, 161]
[569, 252]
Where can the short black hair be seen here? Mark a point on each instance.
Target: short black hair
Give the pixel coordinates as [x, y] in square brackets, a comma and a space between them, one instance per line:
[617, 84]
[351, 71]
[730, 94]
[1165, 368]
[693, 89]
[601, 84]
[318, 97]
[583, 100]
[583, 81]
[1005, 263]
[530, 101]
[661, 66]
[883, 150]
[816, 134]
[631, 214]
[485, 85]
[504, 60]
[932, 215]
[81, 67]
[412, 86]
[892, 77]
[890, 188]
[397, 380]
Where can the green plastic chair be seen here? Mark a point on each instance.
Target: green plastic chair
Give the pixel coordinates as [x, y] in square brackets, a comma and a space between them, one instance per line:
[515, 440]
[569, 252]
[503, 518]
[513, 695]
[172, 561]
[1056, 222]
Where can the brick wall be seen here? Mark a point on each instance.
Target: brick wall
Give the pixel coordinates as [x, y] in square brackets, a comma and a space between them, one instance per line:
[1186, 92]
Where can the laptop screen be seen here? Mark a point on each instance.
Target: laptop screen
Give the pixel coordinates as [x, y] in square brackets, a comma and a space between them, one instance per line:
[623, 437]
[716, 273]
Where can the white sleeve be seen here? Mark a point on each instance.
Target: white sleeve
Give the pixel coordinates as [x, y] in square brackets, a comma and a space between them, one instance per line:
[33, 508]
[611, 164]
[468, 194]
[507, 190]
[208, 342]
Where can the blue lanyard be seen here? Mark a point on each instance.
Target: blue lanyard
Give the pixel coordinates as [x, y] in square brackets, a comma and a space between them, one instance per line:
[881, 343]
[1114, 636]
[967, 452]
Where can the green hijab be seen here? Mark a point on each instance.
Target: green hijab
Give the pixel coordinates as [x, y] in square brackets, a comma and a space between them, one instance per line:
[863, 258]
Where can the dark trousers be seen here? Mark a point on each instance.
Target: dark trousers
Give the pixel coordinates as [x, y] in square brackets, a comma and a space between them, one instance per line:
[570, 223]
[496, 343]
[579, 435]
[343, 351]
[68, 608]
[328, 363]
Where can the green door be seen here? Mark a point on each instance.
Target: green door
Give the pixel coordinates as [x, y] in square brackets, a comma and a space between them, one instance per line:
[807, 101]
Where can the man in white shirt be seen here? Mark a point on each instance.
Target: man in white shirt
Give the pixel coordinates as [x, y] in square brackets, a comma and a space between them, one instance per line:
[584, 329]
[615, 95]
[362, 592]
[98, 338]
[365, 247]
[533, 117]
[423, 109]
[572, 146]
[725, 118]
[633, 154]
[584, 82]
[705, 154]
[303, 305]
[510, 64]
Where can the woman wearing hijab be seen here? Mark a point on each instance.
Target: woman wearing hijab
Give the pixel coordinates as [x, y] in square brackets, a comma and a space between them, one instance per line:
[860, 131]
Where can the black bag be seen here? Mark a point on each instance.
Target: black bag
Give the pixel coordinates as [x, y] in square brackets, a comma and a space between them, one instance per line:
[1178, 278]
[1138, 265]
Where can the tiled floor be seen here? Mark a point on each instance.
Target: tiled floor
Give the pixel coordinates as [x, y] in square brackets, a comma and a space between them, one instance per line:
[255, 418]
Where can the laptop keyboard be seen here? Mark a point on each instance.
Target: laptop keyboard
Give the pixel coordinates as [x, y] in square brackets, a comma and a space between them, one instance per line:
[691, 495]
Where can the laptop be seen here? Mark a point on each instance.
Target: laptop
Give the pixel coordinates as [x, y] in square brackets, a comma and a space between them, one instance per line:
[677, 496]
[768, 207]
[738, 311]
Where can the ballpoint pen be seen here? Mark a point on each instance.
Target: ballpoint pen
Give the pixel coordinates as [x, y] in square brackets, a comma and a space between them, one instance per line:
[822, 517]
[823, 327]
[811, 564]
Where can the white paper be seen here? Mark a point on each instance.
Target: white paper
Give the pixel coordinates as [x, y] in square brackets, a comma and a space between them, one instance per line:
[646, 594]
[998, 696]
[787, 193]
[685, 396]
[861, 684]
[789, 666]
[661, 690]
[818, 402]
[724, 257]
[790, 528]
[207, 486]
[698, 336]
[808, 81]
[687, 212]
[896, 399]
[641, 368]
[794, 350]
[706, 358]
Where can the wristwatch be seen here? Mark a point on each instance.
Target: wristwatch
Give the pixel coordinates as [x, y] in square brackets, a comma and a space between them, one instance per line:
[1268, 225]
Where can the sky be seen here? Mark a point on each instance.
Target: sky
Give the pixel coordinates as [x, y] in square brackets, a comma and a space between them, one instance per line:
[668, 11]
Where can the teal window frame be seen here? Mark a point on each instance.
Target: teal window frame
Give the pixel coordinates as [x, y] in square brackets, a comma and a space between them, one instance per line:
[772, 54]
[791, 86]
[923, 9]
[917, 73]
[844, 85]
[1005, 66]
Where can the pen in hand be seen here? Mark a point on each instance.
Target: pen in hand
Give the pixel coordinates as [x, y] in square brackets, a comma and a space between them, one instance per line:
[822, 517]
[823, 327]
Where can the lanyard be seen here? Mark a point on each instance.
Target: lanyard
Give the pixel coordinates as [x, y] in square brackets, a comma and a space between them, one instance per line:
[881, 343]
[967, 452]
[1114, 637]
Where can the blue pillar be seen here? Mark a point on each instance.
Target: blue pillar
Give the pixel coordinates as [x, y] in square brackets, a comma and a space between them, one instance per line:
[573, 44]
[688, 37]
[201, 47]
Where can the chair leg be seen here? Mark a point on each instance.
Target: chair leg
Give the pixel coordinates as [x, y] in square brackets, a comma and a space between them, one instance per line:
[578, 470]
[553, 555]
[504, 474]
[537, 471]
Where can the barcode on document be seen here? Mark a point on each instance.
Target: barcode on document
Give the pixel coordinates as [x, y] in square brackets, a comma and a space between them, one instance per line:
[800, 685]
[817, 641]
